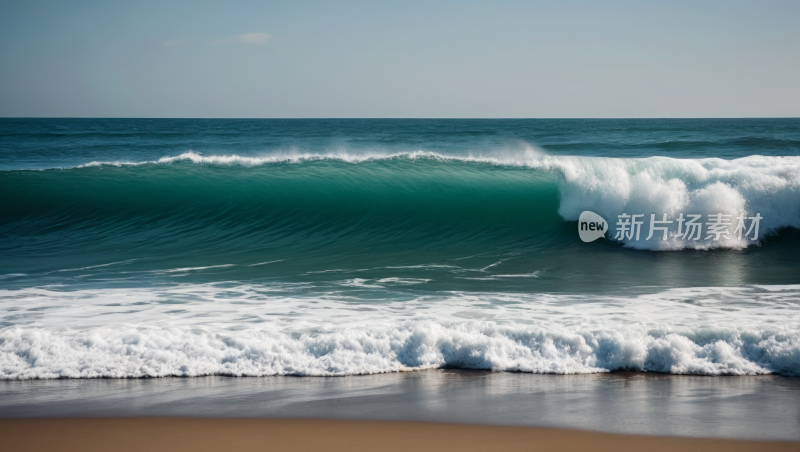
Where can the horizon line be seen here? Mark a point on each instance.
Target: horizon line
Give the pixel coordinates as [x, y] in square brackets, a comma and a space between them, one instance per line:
[401, 117]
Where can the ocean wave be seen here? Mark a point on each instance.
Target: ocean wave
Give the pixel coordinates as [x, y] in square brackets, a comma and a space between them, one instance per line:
[254, 330]
[291, 157]
[769, 186]
[525, 189]
[128, 352]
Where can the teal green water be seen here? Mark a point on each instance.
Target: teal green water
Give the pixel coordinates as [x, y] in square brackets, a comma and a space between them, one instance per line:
[333, 247]
[326, 215]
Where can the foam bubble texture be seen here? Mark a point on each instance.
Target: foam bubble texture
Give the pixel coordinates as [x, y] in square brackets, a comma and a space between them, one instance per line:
[27, 353]
[252, 330]
[657, 185]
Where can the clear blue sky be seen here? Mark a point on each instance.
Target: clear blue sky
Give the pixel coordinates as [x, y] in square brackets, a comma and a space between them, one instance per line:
[400, 59]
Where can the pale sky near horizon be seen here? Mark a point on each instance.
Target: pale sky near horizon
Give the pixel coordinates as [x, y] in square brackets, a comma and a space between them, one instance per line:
[450, 59]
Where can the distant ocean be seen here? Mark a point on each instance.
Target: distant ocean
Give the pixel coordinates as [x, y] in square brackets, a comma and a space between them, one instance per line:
[160, 247]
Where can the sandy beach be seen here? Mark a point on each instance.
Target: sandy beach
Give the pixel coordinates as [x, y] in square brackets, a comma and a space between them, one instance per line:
[178, 434]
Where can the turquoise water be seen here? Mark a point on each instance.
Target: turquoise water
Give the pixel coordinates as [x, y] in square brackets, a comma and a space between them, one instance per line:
[333, 247]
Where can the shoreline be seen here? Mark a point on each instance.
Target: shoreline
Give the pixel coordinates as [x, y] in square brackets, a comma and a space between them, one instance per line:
[760, 408]
[629, 374]
[197, 434]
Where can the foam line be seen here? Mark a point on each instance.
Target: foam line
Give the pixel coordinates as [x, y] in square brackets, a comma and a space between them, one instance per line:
[129, 352]
[253, 330]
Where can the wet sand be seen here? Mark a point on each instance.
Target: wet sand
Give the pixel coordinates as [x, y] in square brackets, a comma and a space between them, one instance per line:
[750, 408]
[184, 434]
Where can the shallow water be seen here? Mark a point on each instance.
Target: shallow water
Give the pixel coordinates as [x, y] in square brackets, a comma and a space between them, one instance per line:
[763, 407]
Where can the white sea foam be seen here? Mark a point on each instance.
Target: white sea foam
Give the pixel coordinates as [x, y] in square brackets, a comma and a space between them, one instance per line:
[280, 157]
[769, 186]
[205, 329]
[95, 266]
[411, 345]
[265, 263]
[190, 269]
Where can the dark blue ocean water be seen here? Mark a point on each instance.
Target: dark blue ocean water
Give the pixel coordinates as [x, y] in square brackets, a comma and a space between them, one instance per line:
[136, 247]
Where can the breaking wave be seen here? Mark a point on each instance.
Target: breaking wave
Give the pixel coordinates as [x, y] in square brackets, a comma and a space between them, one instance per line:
[252, 330]
[127, 352]
[418, 196]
